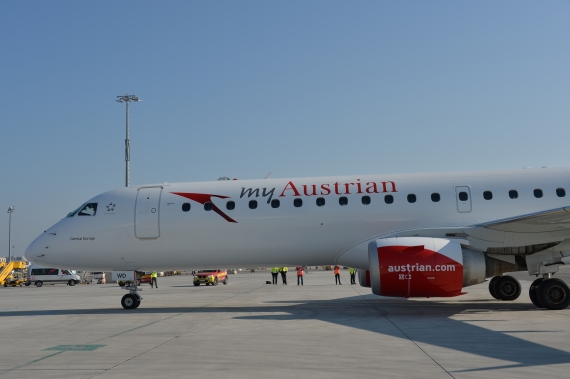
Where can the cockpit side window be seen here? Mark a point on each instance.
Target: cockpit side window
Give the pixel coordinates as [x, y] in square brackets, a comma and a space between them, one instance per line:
[89, 209]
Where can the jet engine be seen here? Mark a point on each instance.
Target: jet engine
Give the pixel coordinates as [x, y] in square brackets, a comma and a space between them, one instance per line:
[426, 267]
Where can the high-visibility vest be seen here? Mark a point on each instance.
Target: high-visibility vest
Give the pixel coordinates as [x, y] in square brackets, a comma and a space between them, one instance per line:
[154, 274]
[284, 269]
[275, 270]
[351, 271]
[336, 270]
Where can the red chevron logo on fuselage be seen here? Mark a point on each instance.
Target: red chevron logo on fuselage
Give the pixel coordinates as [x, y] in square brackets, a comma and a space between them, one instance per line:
[204, 198]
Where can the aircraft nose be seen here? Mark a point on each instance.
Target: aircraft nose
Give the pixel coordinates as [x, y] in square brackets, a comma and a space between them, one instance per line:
[35, 251]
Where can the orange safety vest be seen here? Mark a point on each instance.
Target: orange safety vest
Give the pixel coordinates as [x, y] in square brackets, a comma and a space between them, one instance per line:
[336, 270]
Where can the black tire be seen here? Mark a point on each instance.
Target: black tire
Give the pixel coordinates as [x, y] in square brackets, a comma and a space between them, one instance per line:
[533, 292]
[137, 304]
[196, 284]
[71, 283]
[225, 281]
[27, 284]
[39, 283]
[207, 284]
[507, 288]
[492, 287]
[129, 301]
[215, 282]
[554, 294]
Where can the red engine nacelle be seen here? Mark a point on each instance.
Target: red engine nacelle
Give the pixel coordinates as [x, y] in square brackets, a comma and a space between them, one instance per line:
[416, 267]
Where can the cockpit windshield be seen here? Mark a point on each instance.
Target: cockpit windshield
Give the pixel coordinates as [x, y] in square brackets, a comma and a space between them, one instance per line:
[71, 214]
[89, 209]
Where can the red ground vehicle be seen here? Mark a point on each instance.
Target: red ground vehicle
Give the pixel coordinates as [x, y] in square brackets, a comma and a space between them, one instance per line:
[212, 277]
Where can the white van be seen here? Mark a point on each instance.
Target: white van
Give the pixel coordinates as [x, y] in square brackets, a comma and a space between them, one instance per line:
[39, 275]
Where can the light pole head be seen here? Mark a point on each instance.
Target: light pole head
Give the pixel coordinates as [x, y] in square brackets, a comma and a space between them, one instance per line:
[11, 209]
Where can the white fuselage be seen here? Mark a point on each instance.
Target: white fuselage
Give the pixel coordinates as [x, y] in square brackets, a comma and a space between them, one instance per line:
[145, 228]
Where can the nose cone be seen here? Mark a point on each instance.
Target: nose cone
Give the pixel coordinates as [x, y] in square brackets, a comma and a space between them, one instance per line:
[35, 252]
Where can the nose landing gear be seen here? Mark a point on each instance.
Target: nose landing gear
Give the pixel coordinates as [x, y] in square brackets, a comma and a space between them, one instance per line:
[132, 300]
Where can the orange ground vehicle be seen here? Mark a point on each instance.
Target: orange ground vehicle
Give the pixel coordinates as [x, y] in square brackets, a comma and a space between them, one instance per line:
[212, 277]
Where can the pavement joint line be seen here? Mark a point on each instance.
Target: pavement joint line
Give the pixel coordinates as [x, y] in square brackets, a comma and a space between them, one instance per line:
[401, 331]
[160, 344]
[30, 362]
[185, 332]
[130, 330]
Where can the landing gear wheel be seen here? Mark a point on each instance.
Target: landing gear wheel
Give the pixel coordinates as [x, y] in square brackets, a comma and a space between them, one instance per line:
[130, 301]
[533, 292]
[554, 294]
[71, 282]
[507, 288]
[225, 281]
[137, 304]
[492, 287]
[39, 283]
[215, 282]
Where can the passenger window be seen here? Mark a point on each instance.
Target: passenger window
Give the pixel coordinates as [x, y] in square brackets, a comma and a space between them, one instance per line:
[560, 192]
[342, 200]
[185, 207]
[537, 193]
[208, 206]
[365, 200]
[411, 198]
[298, 203]
[88, 210]
[463, 196]
[320, 201]
[435, 197]
[275, 203]
[513, 194]
[487, 195]
[230, 205]
[252, 204]
[388, 199]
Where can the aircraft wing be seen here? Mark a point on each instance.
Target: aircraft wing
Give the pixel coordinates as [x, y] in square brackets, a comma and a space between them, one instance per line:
[546, 221]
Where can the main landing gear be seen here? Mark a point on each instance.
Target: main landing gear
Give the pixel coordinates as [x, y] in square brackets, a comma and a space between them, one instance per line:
[132, 300]
[546, 292]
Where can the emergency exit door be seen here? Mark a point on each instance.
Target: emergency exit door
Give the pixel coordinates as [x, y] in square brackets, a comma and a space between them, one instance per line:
[147, 211]
[463, 196]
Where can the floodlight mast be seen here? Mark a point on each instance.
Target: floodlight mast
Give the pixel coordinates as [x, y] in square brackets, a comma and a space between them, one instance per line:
[127, 99]
[10, 210]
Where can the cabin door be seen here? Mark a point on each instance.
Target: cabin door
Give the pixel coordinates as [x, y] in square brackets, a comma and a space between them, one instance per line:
[147, 210]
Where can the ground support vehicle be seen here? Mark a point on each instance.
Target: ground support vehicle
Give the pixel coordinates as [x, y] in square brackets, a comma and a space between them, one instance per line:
[211, 277]
[13, 273]
[39, 275]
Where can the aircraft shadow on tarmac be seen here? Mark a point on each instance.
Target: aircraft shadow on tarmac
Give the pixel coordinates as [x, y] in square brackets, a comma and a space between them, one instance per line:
[425, 322]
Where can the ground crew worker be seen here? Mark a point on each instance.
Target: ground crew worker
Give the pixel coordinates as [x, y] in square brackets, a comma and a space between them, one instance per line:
[153, 277]
[274, 273]
[352, 272]
[284, 274]
[337, 275]
[300, 274]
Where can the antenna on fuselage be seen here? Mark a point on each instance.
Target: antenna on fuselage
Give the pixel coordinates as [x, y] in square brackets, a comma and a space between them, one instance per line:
[268, 175]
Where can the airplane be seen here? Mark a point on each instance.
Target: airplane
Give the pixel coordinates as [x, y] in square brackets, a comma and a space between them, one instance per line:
[409, 235]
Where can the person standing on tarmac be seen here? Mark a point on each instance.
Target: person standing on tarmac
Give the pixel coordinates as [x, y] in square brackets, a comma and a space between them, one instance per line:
[153, 277]
[352, 272]
[337, 275]
[300, 274]
[274, 273]
[284, 274]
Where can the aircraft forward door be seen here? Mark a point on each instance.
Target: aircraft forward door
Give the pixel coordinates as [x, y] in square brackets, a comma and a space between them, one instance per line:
[147, 209]
[463, 197]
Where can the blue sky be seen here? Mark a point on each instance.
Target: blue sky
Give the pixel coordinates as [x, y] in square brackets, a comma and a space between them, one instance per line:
[297, 88]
